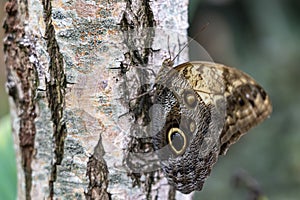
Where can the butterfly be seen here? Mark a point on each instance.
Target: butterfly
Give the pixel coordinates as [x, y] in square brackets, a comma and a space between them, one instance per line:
[201, 109]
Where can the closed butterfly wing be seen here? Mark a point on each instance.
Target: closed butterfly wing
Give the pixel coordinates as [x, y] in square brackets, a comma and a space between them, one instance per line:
[204, 108]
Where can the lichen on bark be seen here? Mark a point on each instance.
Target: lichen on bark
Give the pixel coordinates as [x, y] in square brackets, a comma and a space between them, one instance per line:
[72, 69]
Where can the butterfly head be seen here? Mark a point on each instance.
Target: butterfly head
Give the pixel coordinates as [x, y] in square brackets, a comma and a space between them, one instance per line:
[168, 63]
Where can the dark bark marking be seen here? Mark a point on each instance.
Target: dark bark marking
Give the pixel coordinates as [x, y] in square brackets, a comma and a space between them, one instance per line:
[55, 89]
[172, 193]
[97, 174]
[138, 18]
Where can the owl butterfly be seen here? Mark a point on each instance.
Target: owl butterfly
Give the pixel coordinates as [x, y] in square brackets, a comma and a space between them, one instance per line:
[201, 108]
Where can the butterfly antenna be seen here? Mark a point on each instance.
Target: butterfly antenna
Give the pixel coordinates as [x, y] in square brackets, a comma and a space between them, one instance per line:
[169, 47]
[190, 40]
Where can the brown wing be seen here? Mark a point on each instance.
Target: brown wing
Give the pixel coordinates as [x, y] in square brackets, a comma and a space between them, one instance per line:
[246, 102]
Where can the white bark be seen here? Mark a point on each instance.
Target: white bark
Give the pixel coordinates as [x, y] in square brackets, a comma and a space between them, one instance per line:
[90, 43]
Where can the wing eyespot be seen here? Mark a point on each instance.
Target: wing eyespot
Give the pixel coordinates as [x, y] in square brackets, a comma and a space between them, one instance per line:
[177, 140]
[190, 98]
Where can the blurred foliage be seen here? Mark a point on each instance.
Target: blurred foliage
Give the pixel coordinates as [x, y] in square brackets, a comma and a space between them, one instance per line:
[3, 96]
[262, 39]
[8, 180]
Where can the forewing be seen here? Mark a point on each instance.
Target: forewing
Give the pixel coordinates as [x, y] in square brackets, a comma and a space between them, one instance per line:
[246, 102]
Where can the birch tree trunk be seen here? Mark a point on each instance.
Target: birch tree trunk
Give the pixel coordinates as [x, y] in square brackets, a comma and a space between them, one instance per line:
[75, 72]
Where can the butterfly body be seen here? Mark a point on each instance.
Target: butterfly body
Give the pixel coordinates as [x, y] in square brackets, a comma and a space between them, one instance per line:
[203, 108]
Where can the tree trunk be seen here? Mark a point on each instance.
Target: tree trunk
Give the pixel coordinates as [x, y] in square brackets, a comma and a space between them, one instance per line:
[76, 72]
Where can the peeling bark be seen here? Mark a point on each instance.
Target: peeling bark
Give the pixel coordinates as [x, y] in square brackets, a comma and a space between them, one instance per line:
[74, 69]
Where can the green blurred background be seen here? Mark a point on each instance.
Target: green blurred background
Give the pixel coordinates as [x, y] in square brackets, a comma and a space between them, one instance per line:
[260, 37]
[8, 179]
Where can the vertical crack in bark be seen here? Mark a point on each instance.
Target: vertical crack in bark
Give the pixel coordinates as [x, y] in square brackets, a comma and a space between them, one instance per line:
[97, 174]
[55, 93]
[21, 81]
[138, 23]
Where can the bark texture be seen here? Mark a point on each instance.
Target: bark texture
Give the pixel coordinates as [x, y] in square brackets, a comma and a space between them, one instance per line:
[74, 71]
